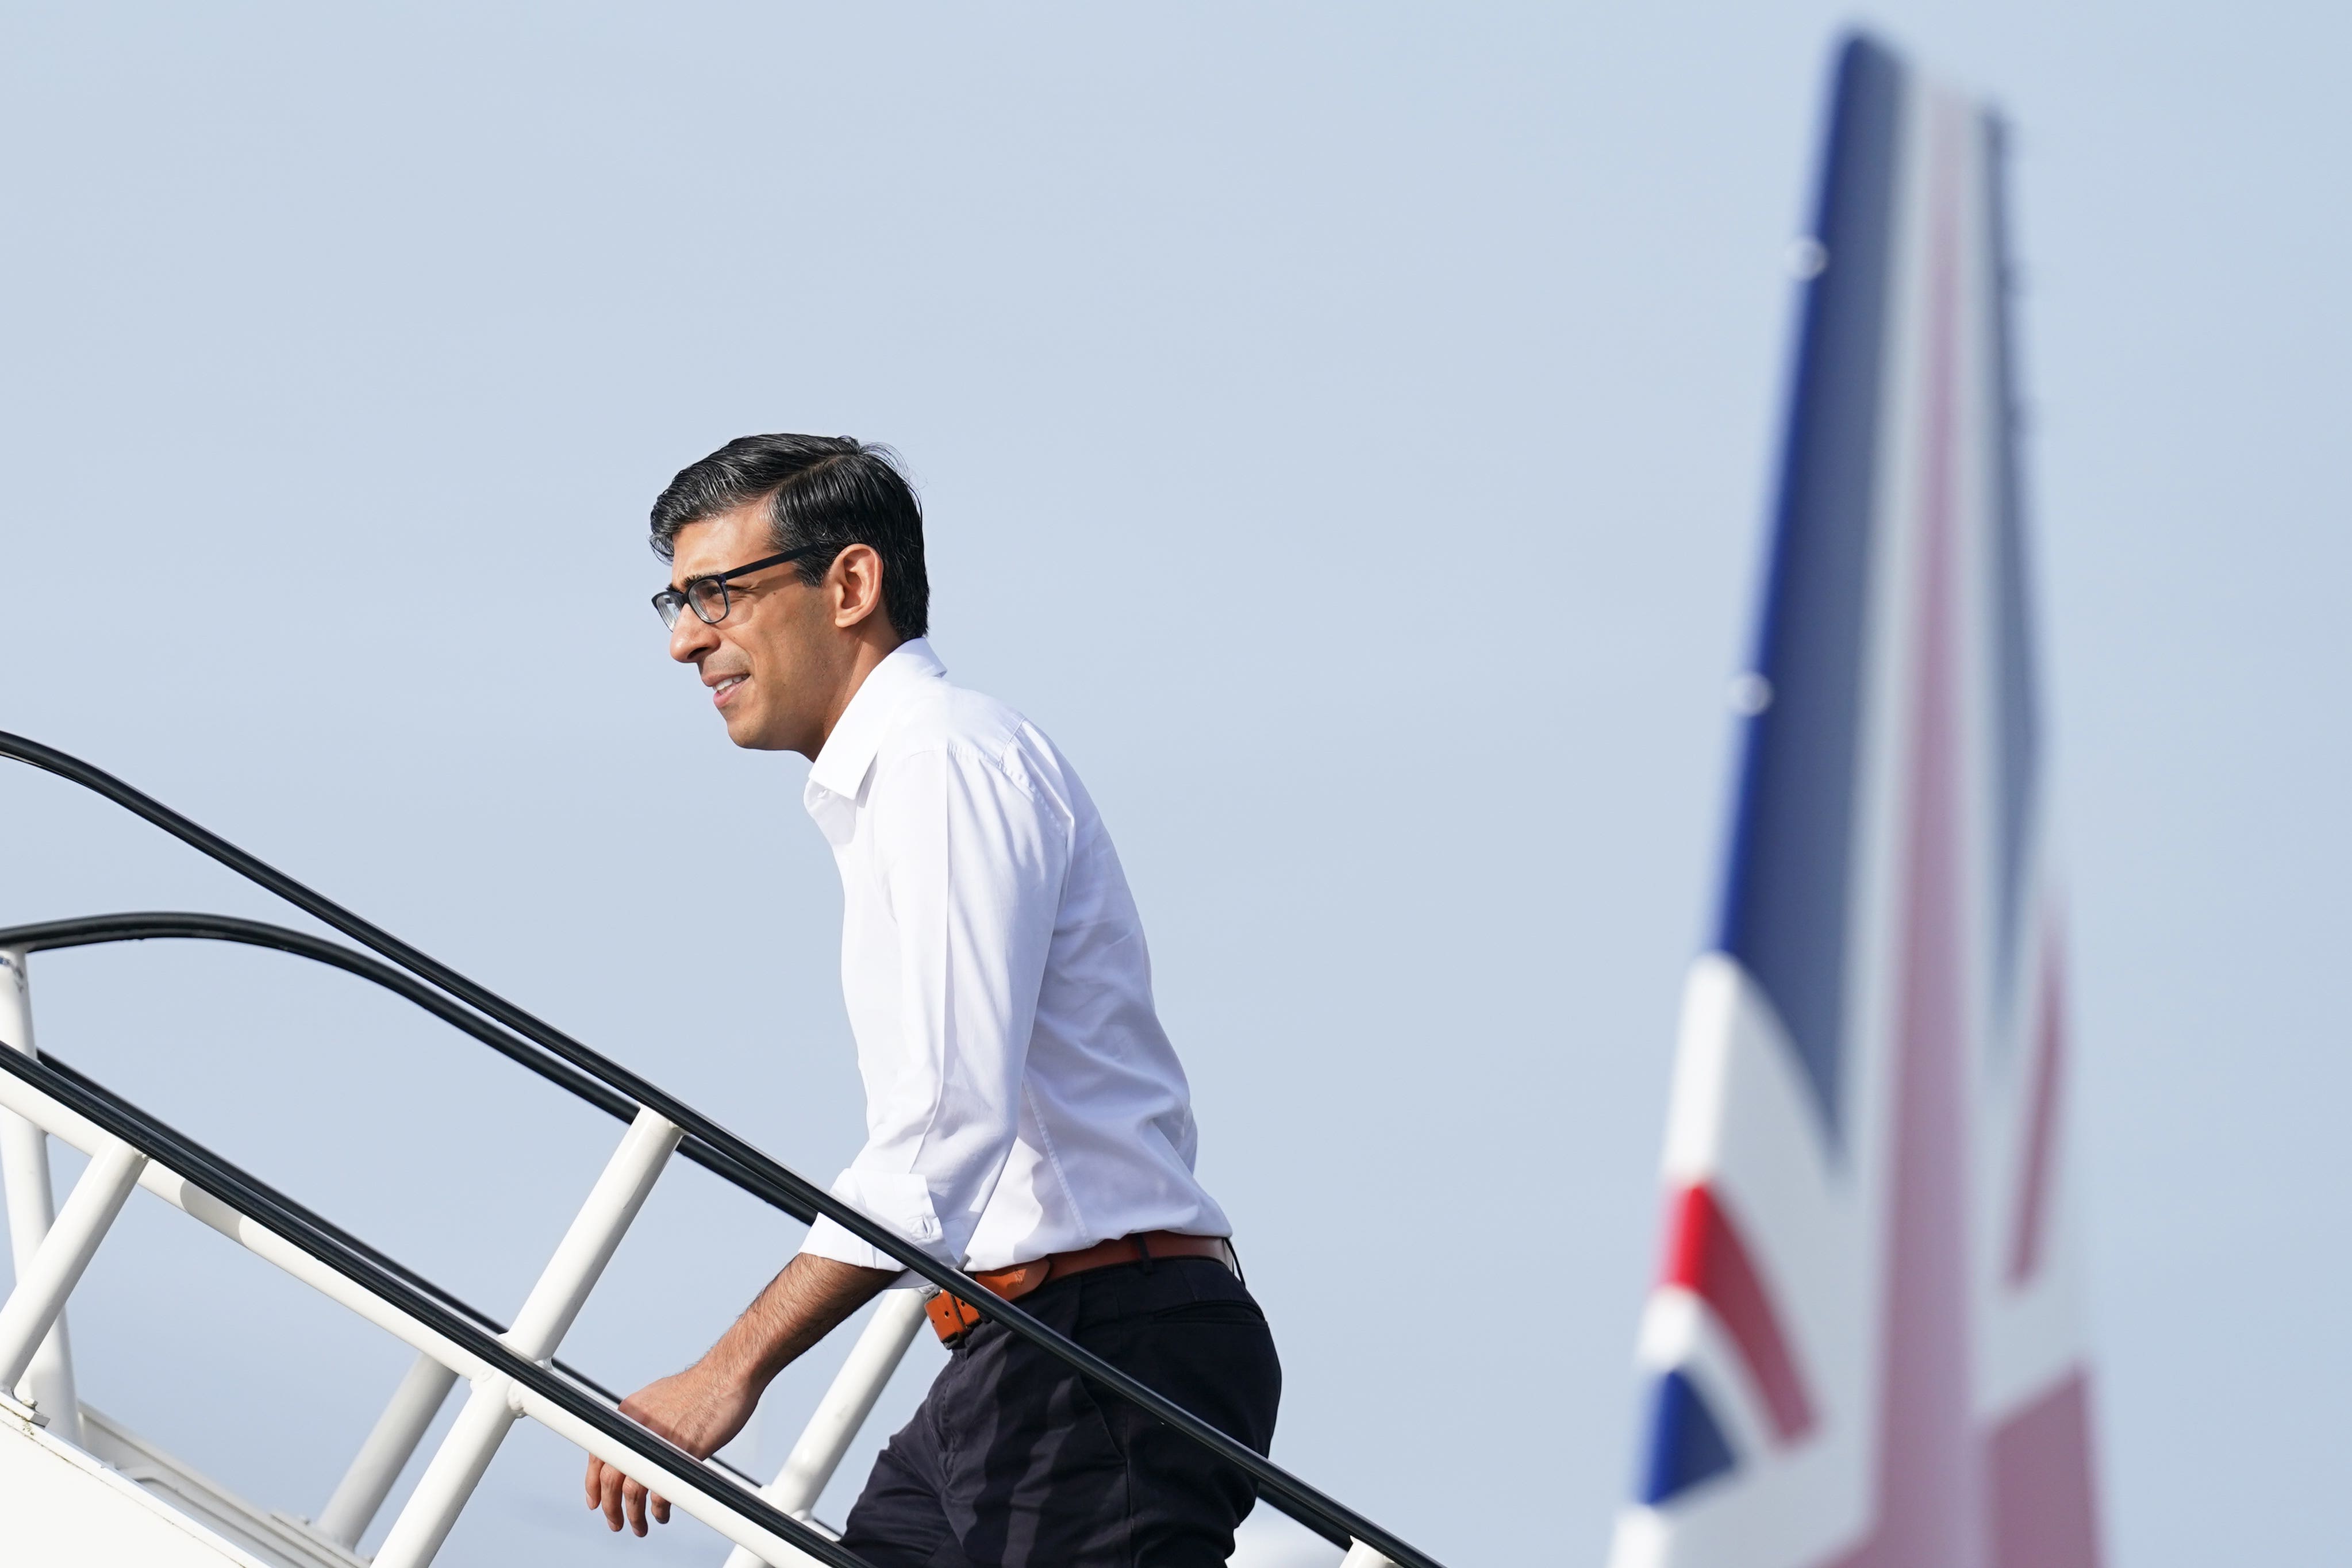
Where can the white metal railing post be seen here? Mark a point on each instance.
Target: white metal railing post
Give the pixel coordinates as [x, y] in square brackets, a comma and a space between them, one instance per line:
[547, 1313]
[57, 1267]
[49, 1384]
[843, 1410]
[386, 1453]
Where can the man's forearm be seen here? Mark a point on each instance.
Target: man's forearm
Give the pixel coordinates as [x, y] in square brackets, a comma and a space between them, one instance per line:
[801, 1305]
[701, 1408]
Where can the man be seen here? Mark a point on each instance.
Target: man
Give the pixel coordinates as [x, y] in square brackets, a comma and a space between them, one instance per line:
[1027, 1118]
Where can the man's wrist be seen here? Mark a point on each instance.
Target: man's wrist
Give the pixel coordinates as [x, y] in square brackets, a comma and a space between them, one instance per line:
[729, 1364]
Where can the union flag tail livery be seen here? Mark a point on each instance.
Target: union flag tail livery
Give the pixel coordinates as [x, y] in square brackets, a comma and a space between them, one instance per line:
[1863, 1349]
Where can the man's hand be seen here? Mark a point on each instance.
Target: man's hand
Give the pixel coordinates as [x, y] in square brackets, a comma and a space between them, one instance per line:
[701, 1408]
[698, 1409]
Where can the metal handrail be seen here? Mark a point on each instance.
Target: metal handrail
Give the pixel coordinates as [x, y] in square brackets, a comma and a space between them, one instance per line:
[375, 1256]
[253, 1199]
[1320, 1512]
[87, 930]
[90, 931]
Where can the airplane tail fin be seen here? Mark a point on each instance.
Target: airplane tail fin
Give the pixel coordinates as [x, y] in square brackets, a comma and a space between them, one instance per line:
[1863, 1349]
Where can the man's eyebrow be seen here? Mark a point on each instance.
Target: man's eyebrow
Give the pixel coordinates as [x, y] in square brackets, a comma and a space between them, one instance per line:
[704, 577]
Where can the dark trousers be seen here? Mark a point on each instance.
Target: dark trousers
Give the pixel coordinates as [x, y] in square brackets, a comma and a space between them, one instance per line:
[1014, 1461]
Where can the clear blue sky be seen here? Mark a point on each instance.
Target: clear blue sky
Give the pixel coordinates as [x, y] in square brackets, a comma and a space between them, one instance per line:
[1345, 430]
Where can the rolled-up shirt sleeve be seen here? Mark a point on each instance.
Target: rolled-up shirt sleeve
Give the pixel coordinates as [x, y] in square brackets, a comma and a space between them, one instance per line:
[974, 860]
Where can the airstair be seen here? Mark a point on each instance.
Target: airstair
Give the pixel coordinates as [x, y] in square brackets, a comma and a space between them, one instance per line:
[77, 1488]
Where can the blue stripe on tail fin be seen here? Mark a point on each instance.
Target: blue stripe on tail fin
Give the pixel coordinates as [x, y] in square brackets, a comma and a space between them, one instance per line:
[1687, 1443]
[1785, 898]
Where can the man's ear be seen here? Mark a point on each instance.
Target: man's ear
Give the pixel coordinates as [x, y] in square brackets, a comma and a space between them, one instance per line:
[855, 583]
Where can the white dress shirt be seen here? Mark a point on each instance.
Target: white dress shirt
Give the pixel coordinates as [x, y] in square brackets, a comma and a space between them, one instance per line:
[1020, 1098]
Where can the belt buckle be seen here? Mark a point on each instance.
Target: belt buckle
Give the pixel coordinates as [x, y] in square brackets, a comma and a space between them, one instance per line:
[951, 1319]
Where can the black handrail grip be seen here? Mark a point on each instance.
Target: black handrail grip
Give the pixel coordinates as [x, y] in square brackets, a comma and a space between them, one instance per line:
[255, 1199]
[1302, 1501]
[146, 925]
[86, 931]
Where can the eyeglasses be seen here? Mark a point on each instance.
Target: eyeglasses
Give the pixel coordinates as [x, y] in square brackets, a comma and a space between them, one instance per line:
[708, 595]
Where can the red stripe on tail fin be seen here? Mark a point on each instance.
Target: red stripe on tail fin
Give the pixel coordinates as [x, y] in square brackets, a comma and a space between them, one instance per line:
[1706, 1257]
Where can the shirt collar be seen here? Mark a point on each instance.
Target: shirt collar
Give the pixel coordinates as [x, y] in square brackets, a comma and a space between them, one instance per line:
[847, 754]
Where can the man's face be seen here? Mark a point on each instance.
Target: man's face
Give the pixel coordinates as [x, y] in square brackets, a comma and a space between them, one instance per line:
[770, 663]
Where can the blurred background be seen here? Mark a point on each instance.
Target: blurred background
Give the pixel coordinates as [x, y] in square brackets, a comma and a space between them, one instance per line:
[1345, 429]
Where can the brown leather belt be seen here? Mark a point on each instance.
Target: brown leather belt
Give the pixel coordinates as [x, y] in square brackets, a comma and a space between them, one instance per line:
[953, 1318]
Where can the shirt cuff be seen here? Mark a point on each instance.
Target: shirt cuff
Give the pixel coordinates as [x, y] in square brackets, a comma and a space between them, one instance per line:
[900, 1200]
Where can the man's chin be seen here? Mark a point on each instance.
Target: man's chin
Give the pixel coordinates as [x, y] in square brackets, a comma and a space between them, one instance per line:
[748, 730]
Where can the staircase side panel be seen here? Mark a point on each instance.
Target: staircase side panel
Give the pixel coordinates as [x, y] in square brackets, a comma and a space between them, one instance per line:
[61, 1509]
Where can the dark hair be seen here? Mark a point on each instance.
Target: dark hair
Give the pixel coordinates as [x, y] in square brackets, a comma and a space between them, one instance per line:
[832, 491]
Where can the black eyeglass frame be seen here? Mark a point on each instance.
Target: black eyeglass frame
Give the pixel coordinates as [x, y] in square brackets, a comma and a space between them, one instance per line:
[670, 601]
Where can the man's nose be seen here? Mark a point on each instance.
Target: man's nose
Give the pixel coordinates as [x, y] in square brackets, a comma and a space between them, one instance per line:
[690, 640]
